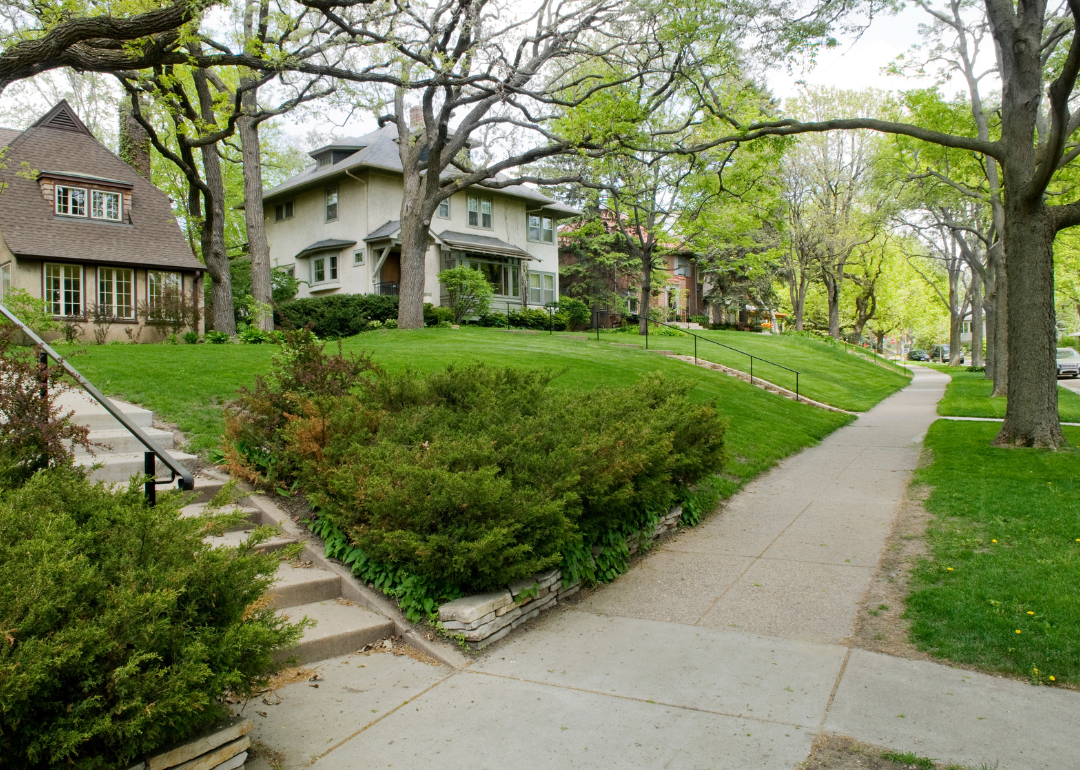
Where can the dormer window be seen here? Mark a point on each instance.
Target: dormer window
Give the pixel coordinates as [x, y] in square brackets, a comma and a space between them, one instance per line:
[324, 160]
[71, 201]
[105, 205]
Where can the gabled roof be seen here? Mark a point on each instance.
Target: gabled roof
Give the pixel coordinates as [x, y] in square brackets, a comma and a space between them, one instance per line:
[389, 230]
[380, 151]
[149, 236]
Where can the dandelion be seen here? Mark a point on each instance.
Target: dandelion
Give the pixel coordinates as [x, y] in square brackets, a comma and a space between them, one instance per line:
[1052, 679]
[1018, 631]
[1030, 612]
[949, 569]
[993, 541]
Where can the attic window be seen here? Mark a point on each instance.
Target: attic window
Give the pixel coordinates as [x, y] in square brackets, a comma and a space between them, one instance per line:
[71, 201]
[324, 160]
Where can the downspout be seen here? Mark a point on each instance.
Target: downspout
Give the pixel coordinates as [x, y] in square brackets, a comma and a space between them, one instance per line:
[367, 220]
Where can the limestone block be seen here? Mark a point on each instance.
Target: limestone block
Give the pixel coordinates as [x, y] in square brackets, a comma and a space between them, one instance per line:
[218, 735]
[534, 612]
[518, 586]
[480, 644]
[453, 625]
[234, 763]
[486, 630]
[569, 591]
[540, 597]
[470, 608]
[218, 756]
[548, 578]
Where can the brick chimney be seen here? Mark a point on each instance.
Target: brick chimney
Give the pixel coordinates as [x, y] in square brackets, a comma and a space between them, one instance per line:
[416, 117]
[134, 141]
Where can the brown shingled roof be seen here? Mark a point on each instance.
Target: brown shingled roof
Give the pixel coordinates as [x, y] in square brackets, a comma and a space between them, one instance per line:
[149, 235]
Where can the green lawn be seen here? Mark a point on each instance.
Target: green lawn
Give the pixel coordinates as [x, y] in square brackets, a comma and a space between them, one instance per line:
[999, 588]
[968, 395]
[188, 384]
[826, 372]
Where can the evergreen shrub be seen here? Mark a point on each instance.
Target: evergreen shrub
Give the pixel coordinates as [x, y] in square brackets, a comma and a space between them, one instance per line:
[473, 476]
[336, 316]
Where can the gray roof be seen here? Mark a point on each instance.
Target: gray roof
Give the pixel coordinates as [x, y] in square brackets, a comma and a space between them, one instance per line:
[344, 143]
[329, 244]
[384, 231]
[149, 236]
[380, 151]
[482, 244]
[8, 135]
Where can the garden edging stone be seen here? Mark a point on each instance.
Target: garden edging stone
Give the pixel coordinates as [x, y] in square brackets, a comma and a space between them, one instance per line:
[482, 619]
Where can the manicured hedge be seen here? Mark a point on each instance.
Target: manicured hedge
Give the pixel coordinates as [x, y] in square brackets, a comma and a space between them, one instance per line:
[473, 476]
[336, 316]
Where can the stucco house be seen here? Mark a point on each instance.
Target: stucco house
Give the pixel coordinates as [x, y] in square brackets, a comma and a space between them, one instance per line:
[335, 225]
[82, 229]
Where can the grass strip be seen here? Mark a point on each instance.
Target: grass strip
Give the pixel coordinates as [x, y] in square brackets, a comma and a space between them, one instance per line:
[998, 589]
[968, 395]
[827, 373]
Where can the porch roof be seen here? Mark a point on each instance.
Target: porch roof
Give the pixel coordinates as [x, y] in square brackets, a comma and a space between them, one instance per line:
[330, 244]
[482, 244]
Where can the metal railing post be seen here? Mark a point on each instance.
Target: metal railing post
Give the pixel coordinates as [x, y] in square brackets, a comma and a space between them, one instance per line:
[551, 322]
[597, 323]
[43, 375]
[695, 350]
[796, 387]
[150, 469]
[751, 370]
[646, 332]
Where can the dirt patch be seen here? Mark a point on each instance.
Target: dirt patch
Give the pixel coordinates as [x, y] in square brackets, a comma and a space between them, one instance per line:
[395, 645]
[290, 676]
[838, 752]
[880, 625]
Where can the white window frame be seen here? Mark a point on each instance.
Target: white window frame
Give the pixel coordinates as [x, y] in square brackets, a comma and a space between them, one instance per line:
[509, 279]
[67, 296]
[476, 213]
[332, 191]
[443, 204]
[158, 279]
[544, 291]
[108, 283]
[543, 234]
[358, 258]
[330, 266]
[62, 194]
[105, 195]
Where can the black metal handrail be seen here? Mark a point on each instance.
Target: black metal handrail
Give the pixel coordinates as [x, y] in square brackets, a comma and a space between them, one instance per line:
[721, 344]
[186, 478]
[388, 288]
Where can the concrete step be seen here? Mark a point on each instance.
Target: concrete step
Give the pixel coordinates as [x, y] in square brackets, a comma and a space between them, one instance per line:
[340, 628]
[254, 515]
[94, 416]
[121, 440]
[119, 468]
[303, 585]
[237, 536]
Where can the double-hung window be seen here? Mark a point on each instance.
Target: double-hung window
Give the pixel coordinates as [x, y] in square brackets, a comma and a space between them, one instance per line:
[480, 212]
[283, 211]
[444, 209]
[541, 288]
[105, 205]
[71, 201]
[324, 269]
[541, 229]
[115, 292]
[331, 203]
[63, 289]
[162, 289]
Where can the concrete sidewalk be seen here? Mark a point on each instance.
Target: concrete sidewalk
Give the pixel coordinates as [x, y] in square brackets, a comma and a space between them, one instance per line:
[723, 649]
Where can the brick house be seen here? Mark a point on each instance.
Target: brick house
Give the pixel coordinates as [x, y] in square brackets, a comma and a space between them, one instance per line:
[82, 229]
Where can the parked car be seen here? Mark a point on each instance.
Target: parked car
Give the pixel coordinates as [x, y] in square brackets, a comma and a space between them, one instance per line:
[918, 355]
[941, 353]
[1068, 363]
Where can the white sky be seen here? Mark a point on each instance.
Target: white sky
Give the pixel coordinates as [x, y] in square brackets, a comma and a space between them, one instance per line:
[858, 64]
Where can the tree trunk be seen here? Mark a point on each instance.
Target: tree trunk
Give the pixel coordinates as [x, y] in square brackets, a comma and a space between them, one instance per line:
[1031, 416]
[955, 318]
[646, 296]
[414, 246]
[213, 228]
[254, 219]
[134, 145]
[1000, 375]
[832, 291]
[976, 320]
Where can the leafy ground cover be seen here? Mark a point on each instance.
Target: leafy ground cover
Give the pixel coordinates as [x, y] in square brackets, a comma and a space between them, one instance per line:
[827, 372]
[188, 384]
[998, 589]
[968, 395]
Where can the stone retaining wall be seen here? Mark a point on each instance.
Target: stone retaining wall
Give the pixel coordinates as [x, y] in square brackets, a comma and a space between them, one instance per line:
[486, 618]
[223, 747]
